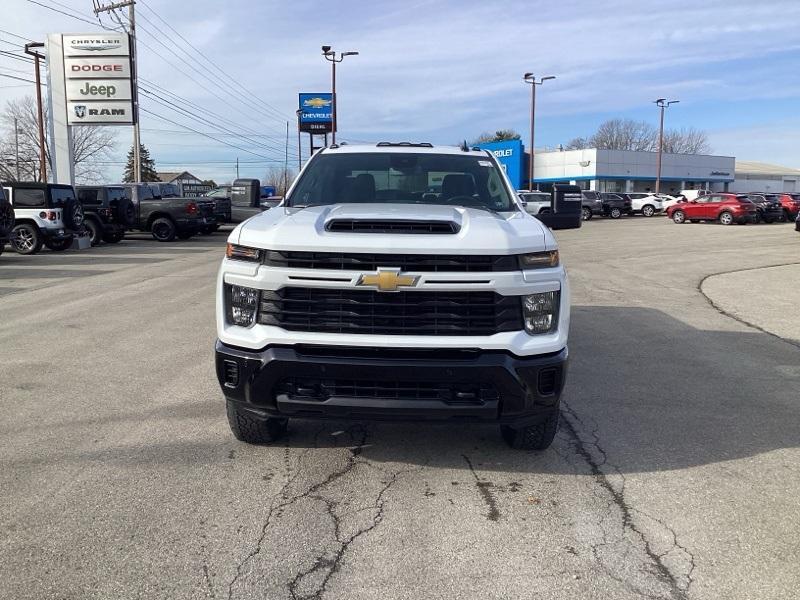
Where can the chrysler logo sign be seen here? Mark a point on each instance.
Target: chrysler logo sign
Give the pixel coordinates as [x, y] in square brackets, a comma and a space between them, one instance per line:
[96, 44]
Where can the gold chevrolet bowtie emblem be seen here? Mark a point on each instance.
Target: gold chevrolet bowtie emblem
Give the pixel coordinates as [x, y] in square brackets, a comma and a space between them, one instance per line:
[388, 280]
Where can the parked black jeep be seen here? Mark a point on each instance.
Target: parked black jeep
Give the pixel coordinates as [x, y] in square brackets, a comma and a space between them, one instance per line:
[6, 220]
[45, 214]
[108, 212]
[165, 218]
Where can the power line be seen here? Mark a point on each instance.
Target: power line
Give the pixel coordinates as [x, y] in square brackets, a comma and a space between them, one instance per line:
[166, 103]
[16, 35]
[17, 78]
[204, 134]
[62, 12]
[268, 106]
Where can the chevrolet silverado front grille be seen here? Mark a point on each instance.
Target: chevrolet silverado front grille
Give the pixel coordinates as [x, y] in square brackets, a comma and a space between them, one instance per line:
[454, 263]
[399, 313]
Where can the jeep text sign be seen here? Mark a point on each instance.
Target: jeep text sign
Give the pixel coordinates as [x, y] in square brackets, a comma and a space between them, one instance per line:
[98, 89]
[97, 68]
[89, 113]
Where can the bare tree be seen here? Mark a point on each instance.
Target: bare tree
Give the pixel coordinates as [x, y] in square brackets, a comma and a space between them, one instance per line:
[625, 134]
[578, 143]
[686, 141]
[279, 178]
[90, 145]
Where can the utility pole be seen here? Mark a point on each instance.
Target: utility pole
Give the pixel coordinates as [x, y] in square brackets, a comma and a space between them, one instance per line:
[237, 167]
[330, 56]
[286, 162]
[130, 4]
[39, 109]
[299, 112]
[662, 103]
[16, 146]
[530, 79]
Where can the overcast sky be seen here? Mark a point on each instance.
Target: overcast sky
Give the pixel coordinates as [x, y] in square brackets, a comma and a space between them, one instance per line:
[448, 70]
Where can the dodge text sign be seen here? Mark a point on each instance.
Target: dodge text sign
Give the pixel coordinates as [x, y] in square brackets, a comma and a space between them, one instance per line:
[97, 68]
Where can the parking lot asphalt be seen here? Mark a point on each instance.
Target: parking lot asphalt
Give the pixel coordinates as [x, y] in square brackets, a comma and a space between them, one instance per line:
[675, 473]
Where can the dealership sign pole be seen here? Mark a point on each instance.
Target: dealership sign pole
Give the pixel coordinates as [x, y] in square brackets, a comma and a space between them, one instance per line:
[89, 83]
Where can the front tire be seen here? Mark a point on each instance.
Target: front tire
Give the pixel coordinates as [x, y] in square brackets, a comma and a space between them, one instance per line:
[250, 429]
[586, 214]
[615, 213]
[27, 239]
[95, 231]
[726, 218]
[163, 230]
[532, 437]
[648, 210]
[679, 217]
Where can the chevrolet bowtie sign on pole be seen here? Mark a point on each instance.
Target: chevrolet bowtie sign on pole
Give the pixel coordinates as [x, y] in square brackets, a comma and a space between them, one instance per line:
[89, 83]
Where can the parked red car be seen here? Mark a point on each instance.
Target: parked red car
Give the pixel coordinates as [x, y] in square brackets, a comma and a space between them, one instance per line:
[722, 207]
[791, 205]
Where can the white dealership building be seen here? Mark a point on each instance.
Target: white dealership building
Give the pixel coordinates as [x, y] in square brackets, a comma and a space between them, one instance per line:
[630, 171]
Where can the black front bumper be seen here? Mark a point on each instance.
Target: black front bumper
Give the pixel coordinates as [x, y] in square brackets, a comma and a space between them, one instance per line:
[392, 384]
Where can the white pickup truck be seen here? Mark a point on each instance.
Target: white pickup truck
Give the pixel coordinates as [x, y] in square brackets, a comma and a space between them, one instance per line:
[397, 281]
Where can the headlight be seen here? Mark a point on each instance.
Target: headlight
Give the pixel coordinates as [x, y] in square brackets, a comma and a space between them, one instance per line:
[242, 304]
[539, 260]
[243, 253]
[540, 312]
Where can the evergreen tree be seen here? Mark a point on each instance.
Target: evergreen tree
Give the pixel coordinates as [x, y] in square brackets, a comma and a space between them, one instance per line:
[148, 166]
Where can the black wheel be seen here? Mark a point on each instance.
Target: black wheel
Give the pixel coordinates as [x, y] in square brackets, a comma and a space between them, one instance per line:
[615, 213]
[586, 214]
[72, 213]
[726, 218]
[124, 212]
[163, 229]
[59, 245]
[247, 427]
[95, 231]
[185, 235]
[532, 437]
[114, 237]
[27, 239]
[757, 218]
[679, 217]
[648, 210]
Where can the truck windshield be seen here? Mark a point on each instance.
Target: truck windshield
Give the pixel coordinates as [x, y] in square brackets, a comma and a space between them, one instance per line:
[407, 178]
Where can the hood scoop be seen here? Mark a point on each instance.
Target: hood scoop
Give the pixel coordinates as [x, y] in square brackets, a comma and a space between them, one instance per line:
[415, 226]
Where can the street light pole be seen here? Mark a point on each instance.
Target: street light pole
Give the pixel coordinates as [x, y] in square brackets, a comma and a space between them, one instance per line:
[529, 78]
[662, 103]
[330, 56]
[299, 112]
[16, 146]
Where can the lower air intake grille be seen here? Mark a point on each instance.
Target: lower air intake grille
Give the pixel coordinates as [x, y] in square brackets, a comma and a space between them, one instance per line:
[398, 313]
[303, 388]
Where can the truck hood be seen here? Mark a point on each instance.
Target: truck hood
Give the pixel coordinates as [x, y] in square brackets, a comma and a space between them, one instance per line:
[478, 231]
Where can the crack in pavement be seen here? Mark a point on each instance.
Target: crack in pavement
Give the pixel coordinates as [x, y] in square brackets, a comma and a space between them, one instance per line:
[678, 590]
[333, 564]
[485, 488]
[311, 492]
